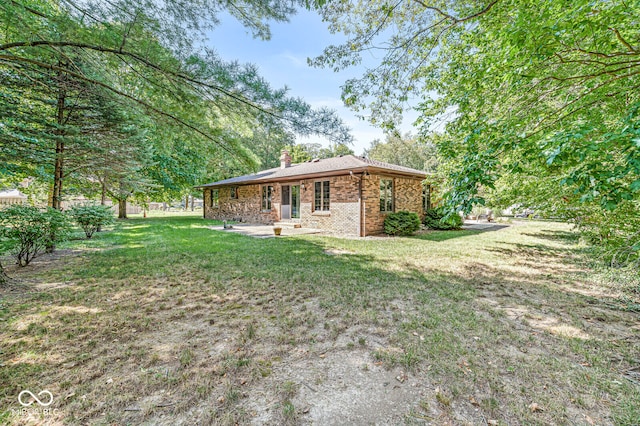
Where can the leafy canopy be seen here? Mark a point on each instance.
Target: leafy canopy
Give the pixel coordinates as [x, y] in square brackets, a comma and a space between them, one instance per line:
[541, 97]
[529, 82]
[88, 84]
[410, 151]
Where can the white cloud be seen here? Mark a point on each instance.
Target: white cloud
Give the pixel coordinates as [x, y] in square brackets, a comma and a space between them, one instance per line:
[329, 102]
[296, 61]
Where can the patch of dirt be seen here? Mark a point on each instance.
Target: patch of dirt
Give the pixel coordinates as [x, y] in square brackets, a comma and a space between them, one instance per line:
[341, 387]
[334, 381]
[42, 262]
[18, 284]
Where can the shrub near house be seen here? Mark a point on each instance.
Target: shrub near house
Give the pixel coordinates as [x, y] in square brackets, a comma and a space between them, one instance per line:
[401, 223]
[437, 219]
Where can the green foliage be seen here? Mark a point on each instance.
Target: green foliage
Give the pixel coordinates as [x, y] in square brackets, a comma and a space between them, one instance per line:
[409, 151]
[401, 223]
[308, 151]
[615, 234]
[540, 98]
[121, 99]
[92, 217]
[27, 231]
[299, 154]
[57, 225]
[438, 219]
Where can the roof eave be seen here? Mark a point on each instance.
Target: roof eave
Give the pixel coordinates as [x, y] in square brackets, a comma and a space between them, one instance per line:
[381, 170]
[287, 178]
[421, 176]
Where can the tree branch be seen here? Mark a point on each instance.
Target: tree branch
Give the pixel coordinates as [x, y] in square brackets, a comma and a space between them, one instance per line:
[453, 18]
[120, 93]
[579, 98]
[622, 40]
[30, 10]
[126, 34]
[156, 67]
[437, 10]
[138, 58]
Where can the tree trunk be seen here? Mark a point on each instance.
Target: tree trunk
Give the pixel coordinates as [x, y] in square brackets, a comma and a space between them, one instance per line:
[103, 200]
[192, 202]
[58, 176]
[58, 172]
[4, 278]
[103, 195]
[186, 203]
[57, 188]
[122, 208]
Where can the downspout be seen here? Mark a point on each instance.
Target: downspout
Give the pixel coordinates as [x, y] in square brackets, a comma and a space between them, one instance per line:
[363, 229]
[204, 203]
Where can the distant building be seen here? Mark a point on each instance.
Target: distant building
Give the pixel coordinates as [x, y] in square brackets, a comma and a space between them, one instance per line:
[12, 196]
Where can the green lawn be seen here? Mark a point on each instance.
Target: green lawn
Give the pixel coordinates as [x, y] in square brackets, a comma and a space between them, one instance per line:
[163, 320]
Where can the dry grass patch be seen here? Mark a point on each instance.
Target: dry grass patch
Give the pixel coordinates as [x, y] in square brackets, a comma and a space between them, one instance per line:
[163, 321]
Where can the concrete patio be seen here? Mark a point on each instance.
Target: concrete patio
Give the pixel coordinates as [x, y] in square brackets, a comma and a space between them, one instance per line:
[265, 231]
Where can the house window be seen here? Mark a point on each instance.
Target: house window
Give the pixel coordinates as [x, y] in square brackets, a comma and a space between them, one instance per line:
[426, 198]
[267, 192]
[321, 196]
[214, 202]
[386, 195]
[234, 192]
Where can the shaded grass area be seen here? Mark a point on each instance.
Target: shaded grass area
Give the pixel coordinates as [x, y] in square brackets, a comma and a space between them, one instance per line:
[164, 319]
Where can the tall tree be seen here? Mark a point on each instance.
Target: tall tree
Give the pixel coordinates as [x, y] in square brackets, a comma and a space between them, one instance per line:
[535, 91]
[136, 53]
[307, 151]
[407, 150]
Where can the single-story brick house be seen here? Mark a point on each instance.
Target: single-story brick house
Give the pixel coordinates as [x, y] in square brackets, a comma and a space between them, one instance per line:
[347, 195]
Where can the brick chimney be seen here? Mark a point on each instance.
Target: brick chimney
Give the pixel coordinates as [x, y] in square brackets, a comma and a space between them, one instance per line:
[285, 159]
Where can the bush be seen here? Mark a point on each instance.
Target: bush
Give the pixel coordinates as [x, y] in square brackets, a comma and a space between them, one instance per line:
[92, 217]
[401, 223]
[58, 227]
[435, 219]
[27, 231]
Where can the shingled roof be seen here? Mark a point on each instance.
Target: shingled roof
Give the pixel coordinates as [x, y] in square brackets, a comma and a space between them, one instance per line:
[319, 168]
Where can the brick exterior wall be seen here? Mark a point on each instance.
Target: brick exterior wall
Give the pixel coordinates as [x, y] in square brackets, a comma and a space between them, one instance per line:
[407, 195]
[246, 208]
[343, 216]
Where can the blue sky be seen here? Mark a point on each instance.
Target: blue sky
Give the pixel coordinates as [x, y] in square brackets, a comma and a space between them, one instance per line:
[283, 62]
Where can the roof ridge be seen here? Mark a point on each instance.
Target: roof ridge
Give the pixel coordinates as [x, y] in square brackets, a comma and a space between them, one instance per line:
[347, 162]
